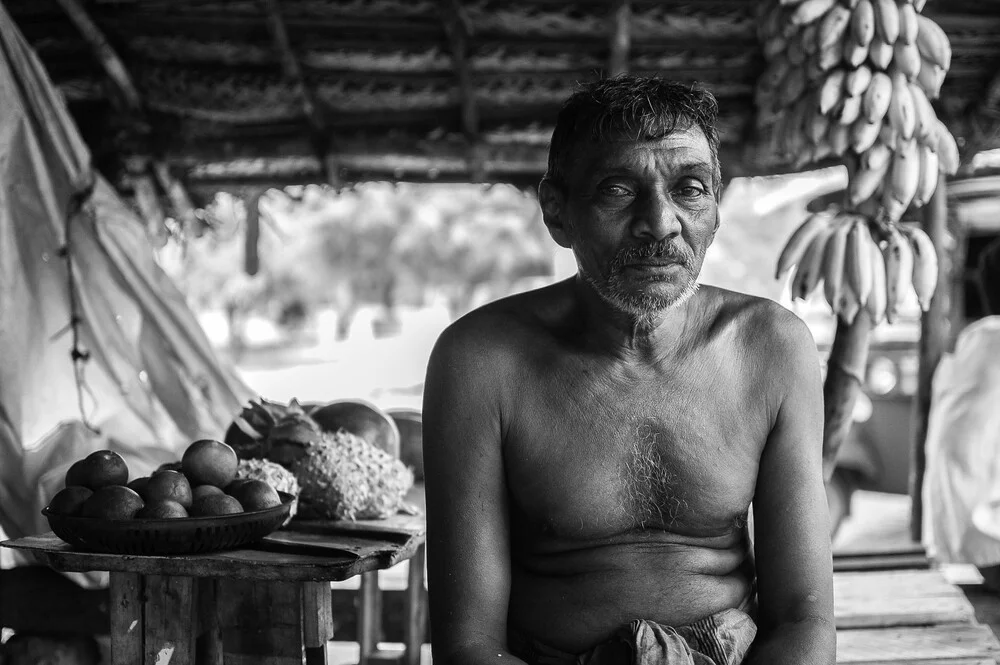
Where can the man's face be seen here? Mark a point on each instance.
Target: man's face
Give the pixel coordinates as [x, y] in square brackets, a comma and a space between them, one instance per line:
[639, 217]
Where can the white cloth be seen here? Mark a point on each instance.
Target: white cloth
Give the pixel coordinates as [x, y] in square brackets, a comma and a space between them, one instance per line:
[154, 382]
[961, 493]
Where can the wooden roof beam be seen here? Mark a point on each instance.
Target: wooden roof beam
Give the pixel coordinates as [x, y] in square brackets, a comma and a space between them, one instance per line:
[293, 72]
[130, 101]
[621, 38]
[458, 30]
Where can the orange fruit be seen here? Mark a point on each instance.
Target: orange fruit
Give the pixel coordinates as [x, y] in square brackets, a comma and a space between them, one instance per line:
[214, 505]
[199, 491]
[168, 486]
[209, 462]
[98, 469]
[138, 484]
[114, 502]
[162, 510]
[69, 500]
[255, 495]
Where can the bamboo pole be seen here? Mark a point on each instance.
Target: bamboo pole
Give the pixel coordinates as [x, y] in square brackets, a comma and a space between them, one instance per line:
[845, 375]
[934, 340]
[456, 27]
[251, 253]
[621, 38]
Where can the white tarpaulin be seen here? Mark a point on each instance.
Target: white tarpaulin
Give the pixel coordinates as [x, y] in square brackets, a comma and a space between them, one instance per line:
[152, 383]
[961, 494]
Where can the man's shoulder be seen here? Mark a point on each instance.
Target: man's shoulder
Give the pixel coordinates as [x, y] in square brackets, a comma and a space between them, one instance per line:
[762, 323]
[502, 327]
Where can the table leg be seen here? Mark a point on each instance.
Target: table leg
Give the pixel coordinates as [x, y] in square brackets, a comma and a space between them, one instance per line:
[261, 622]
[317, 620]
[169, 609]
[369, 616]
[416, 609]
[126, 618]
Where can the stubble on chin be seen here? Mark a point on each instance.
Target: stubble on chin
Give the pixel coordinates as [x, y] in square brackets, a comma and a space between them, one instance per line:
[641, 306]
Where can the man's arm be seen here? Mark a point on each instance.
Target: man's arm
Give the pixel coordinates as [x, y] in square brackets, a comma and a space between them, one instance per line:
[468, 542]
[791, 517]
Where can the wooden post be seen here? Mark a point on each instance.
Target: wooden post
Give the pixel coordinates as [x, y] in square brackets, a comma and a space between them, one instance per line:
[934, 341]
[251, 251]
[621, 38]
[845, 375]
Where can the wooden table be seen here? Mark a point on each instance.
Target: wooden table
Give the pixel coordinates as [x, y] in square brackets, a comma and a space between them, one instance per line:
[270, 603]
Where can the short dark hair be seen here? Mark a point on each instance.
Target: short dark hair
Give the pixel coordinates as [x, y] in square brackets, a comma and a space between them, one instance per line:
[634, 107]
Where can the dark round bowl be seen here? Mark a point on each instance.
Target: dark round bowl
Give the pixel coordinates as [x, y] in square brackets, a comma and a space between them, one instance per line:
[188, 535]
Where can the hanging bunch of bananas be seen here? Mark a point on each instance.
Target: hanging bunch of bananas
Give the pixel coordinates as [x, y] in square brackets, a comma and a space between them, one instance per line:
[860, 264]
[854, 79]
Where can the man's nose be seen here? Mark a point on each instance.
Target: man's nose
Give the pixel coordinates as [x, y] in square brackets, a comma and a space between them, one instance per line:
[656, 218]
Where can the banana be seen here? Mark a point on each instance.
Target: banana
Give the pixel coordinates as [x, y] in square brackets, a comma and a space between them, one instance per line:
[898, 271]
[930, 78]
[795, 54]
[908, 25]
[904, 177]
[886, 20]
[857, 262]
[880, 53]
[863, 23]
[947, 150]
[847, 110]
[857, 80]
[810, 268]
[865, 182]
[902, 116]
[906, 58]
[832, 90]
[792, 85]
[876, 297]
[833, 260]
[839, 138]
[809, 41]
[925, 265]
[789, 3]
[833, 26]
[808, 11]
[875, 102]
[932, 42]
[854, 54]
[830, 56]
[799, 241]
[774, 74]
[918, 5]
[775, 47]
[889, 135]
[926, 118]
[864, 134]
[848, 307]
[877, 157]
[929, 175]
[817, 128]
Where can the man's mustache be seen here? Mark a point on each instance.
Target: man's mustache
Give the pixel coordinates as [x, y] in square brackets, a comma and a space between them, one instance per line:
[654, 250]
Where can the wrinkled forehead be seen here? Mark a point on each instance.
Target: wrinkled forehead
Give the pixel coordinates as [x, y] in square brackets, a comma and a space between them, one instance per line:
[685, 145]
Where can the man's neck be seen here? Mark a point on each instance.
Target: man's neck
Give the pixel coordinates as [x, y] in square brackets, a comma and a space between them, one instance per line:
[627, 335]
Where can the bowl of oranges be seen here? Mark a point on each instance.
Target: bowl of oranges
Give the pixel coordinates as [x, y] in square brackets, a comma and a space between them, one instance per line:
[193, 506]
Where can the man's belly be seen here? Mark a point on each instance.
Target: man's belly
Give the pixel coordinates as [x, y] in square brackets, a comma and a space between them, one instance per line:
[573, 600]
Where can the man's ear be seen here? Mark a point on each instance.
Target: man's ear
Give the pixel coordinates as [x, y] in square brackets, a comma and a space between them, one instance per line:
[553, 204]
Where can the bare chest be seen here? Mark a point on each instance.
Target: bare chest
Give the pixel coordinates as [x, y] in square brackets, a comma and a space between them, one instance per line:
[596, 459]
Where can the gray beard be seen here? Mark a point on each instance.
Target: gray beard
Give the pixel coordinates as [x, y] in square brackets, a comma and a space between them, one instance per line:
[640, 307]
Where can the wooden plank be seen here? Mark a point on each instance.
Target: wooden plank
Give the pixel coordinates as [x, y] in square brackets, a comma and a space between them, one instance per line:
[926, 645]
[317, 621]
[208, 634]
[260, 622]
[898, 598]
[168, 629]
[887, 562]
[126, 618]
[247, 563]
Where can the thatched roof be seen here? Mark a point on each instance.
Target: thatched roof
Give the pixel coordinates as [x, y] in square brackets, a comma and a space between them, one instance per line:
[246, 92]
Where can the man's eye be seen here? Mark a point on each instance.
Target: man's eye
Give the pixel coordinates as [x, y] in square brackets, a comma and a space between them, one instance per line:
[690, 191]
[615, 190]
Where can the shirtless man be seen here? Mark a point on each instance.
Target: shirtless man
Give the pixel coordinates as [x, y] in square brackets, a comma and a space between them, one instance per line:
[593, 447]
